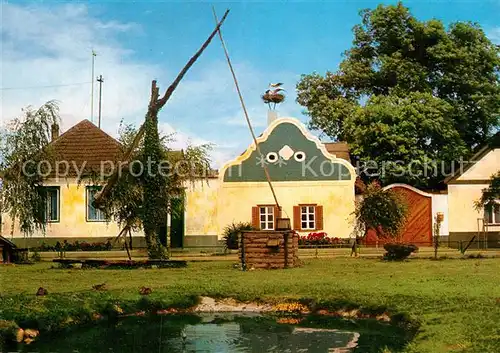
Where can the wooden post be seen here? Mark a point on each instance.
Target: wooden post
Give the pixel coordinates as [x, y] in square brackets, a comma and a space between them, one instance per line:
[285, 238]
[242, 247]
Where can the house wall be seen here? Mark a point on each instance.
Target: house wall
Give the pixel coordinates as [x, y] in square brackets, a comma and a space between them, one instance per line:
[236, 200]
[465, 220]
[440, 204]
[463, 216]
[72, 223]
[201, 226]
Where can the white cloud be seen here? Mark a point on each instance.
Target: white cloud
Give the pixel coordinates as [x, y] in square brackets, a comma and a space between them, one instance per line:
[55, 49]
[51, 45]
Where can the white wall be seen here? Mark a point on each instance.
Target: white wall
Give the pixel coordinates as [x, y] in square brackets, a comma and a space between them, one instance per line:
[440, 204]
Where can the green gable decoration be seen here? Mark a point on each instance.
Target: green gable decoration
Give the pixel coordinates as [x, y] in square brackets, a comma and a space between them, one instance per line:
[289, 156]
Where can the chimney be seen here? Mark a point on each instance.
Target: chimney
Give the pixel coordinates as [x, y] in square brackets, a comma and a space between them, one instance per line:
[55, 131]
[272, 115]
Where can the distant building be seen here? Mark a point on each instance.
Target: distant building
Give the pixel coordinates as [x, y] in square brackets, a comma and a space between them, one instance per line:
[464, 188]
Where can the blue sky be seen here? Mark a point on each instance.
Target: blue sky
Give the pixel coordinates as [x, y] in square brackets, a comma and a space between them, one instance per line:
[140, 41]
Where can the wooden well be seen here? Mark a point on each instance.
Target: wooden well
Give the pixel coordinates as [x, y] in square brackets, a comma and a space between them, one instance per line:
[269, 249]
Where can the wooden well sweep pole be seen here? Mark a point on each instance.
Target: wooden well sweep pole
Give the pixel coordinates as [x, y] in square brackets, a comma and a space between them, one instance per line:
[243, 106]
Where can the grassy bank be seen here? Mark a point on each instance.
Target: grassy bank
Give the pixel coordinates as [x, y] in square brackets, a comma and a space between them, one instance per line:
[457, 302]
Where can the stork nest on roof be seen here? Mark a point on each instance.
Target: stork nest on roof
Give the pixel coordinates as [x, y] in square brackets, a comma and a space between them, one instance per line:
[273, 98]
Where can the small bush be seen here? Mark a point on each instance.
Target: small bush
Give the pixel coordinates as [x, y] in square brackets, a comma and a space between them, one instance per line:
[231, 234]
[398, 252]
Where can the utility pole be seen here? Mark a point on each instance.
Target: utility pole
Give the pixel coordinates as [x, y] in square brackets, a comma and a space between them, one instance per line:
[100, 80]
[92, 89]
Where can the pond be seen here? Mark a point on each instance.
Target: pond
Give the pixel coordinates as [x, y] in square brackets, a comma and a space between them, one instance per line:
[224, 333]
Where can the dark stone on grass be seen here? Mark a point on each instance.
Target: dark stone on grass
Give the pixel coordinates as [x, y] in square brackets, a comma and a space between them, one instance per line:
[99, 287]
[41, 291]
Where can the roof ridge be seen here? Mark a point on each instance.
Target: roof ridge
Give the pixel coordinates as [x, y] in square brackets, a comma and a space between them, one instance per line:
[492, 143]
[79, 125]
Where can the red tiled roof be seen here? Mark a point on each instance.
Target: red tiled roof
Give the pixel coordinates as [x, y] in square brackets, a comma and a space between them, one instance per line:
[85, 146]
[340, 149]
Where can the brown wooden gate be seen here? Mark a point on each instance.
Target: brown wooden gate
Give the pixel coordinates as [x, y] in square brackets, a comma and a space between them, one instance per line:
[418, 227]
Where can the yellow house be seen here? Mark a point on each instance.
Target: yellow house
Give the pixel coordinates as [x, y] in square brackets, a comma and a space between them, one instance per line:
[314, 187]
[464, 188]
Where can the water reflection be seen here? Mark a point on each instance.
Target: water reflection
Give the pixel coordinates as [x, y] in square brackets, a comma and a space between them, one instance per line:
[251, 337]
[212, 334]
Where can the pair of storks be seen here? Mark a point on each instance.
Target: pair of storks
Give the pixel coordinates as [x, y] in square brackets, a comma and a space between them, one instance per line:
[275, 88]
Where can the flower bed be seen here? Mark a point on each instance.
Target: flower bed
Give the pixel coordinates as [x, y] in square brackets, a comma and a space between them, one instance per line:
[322, 238]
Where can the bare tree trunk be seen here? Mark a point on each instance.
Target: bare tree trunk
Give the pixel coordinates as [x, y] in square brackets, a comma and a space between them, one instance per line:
[128, 252]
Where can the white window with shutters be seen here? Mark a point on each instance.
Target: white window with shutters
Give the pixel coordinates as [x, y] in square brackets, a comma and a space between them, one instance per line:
[308, 217]
[266, 217]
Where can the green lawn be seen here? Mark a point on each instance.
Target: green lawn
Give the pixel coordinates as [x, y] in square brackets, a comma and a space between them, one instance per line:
[457, 302]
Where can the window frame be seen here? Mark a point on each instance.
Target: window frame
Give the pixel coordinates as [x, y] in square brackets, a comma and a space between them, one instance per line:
[45, 190]
[314, 213]
[87, 205]
[492, 214]
[267, 207]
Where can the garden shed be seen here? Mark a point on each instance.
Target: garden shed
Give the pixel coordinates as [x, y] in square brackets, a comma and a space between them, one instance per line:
[7, 249]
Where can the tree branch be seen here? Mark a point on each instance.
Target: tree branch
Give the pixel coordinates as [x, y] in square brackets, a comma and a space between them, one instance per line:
[190, 63]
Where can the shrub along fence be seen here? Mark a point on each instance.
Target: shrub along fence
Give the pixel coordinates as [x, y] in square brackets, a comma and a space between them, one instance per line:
[75, 246]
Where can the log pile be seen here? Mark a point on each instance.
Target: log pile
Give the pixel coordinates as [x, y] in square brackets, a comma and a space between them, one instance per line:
[269, 249]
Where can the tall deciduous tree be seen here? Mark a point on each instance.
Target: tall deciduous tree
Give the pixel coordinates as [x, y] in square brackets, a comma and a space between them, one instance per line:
[23, 146]
[395, 57]
[405, 137]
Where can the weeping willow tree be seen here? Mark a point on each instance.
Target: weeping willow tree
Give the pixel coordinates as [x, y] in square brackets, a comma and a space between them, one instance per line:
[154, 176]
[25, 157]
